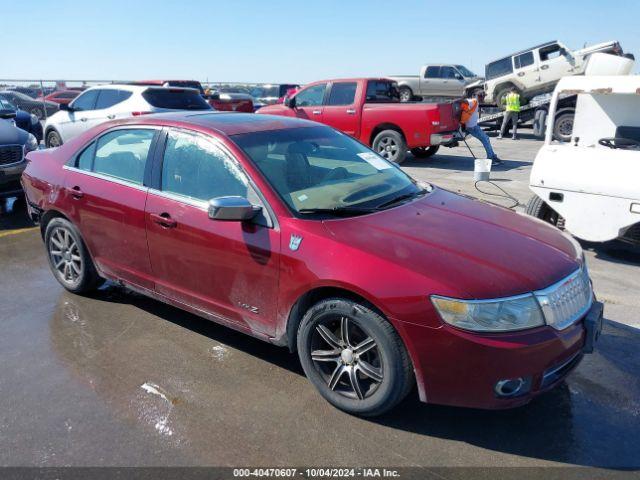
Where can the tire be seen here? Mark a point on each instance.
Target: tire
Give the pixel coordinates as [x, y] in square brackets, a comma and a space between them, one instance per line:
[536, 207]
[406, 94]
[425, 152]
[68, 257]
[382, 372]
[539, 124]
[38, 112]
[53, 139]
[563, 127]
[390, 144]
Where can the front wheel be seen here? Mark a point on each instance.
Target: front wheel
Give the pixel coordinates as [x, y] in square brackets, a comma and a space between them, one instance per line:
[390, 144]
[354, 357]
[425, 152]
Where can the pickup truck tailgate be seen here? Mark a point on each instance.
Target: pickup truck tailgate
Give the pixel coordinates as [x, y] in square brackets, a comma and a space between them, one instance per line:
[449, 116]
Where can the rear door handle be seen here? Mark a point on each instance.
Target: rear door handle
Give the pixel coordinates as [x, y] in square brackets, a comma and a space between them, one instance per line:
[75, 192]
[163, 219]
[316, 112]
[521, 74]
[351, 111]
[111, 117]
[83, 119]
[544, 67]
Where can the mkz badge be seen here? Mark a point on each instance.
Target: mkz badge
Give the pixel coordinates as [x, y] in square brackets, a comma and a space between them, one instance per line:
[294, 242]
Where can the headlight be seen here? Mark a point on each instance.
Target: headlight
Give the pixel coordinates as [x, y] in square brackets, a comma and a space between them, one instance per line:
[31, 145]
[499, 315]
[34, 120]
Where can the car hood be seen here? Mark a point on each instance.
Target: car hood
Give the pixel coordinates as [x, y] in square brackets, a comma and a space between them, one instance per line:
[469, 248]
[594, 48]
[11, 135]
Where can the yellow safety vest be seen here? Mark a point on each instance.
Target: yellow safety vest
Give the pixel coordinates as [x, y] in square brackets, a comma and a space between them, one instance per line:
[513, 102]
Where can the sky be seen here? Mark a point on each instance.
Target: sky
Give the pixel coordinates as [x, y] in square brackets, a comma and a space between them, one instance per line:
[283, 41]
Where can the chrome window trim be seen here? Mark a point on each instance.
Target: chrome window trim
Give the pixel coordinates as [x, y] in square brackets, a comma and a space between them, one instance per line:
[101, 176]
[22, 159]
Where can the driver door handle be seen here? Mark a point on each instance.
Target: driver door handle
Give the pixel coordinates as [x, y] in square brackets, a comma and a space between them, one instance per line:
[521, 74]
[111, 117]
[544, 67]
[163, 219]
[316, 112]
[83, 119]
[75, 192]
[351, 111]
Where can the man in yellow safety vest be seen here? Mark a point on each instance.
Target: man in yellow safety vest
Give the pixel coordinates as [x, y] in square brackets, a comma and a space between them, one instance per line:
[512, 102]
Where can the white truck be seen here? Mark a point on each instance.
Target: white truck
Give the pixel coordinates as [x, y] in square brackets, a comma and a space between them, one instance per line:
[590, 186]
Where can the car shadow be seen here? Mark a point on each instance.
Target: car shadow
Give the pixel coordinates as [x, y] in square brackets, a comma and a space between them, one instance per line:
[13, 214]
[615, 251]
[589, 420]
[458, 163]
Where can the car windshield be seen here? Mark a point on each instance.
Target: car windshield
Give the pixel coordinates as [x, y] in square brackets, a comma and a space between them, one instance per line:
[21, 96]
[319, 170]
[465, 71]
[5, 105]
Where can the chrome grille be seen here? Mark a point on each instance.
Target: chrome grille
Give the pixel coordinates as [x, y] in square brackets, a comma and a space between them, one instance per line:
[10, 154]
[566, 301]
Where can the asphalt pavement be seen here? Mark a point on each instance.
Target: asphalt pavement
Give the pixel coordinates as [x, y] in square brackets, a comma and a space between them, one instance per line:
[119, 379]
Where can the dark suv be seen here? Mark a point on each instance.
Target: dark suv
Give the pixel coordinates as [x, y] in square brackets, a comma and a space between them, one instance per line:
[14, 144]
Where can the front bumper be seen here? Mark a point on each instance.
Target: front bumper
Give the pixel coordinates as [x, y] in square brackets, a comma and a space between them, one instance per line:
[455, 367]
[10, 179]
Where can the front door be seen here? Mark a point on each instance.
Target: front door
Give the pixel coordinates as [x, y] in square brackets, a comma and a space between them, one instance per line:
[340, 110]
[309, 102]
[226, 268]
[553, 64]
[105, 191]
[525, 67]
[81, 117]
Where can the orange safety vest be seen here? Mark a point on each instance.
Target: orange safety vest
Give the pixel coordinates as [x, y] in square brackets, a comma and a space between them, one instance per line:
[467, 112]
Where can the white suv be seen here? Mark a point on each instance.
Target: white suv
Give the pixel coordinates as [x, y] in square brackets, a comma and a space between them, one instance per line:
[109, 102]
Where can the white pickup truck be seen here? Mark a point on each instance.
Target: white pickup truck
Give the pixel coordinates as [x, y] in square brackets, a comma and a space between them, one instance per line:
[435, 80]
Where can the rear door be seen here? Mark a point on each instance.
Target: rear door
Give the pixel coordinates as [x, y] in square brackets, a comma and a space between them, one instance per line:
[109, 104]
[105, 188]
[309, 102]
[526, 69]
[228, 269]
[432, 83]
[341, 110]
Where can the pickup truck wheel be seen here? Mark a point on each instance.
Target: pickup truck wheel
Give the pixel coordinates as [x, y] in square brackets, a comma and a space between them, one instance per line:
[406, 95]
[563, 127]
[536, 207]
[354, 357]
[390, 145]
[424, 152]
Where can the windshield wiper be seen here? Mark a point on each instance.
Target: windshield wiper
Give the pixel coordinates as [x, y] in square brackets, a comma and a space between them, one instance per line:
[399, 198]
[345, 210]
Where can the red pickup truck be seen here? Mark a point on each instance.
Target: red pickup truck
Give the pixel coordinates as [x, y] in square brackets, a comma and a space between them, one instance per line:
[369, 109]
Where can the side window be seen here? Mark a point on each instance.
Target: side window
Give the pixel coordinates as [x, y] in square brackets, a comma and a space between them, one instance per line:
[382, 92]
[432, 72]
[86, 101]
[499, 68]
[196, 168]
[123, 154]
[448, 72]
[312, 96]
[343, 93]
[523, 60]
[550, 52]
[84, 161]
[109, 98]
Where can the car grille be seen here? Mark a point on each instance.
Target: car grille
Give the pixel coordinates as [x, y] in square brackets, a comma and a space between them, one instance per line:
[10, 154]
[565, 302]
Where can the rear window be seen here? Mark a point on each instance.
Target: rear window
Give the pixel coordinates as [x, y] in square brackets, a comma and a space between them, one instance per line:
[382, 92]
[187, 84]
[175, 99]
[499, 68]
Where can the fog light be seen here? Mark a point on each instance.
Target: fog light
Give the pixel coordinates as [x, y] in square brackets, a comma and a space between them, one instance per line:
[512, 387]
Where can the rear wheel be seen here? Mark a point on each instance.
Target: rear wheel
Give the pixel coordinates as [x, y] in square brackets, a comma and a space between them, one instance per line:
[406, 95]
[536, 207]
[563, 127]
[53, 139]
[390, 144]
[354, 357]
[38, 112]
[425, 152]
[68, 257]
[539, 122]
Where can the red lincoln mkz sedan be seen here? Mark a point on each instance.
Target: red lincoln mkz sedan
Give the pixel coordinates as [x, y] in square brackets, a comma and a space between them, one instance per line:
[299, 235]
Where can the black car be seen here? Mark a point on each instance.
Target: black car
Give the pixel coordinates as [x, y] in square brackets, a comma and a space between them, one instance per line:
[28, 104]
[15, 143]
[24, 120]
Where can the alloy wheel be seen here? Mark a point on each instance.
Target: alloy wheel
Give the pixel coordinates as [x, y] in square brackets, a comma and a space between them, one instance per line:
[388, 148]
[347, 358]
[65, 256]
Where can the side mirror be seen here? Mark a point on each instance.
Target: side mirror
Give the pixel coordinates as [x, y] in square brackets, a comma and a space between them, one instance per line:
[290, 102]
[66, 107]
[459, 77]
[6, 113]
[237, 209]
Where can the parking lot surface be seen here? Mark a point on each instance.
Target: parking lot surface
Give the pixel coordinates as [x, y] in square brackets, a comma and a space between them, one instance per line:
[118, 379]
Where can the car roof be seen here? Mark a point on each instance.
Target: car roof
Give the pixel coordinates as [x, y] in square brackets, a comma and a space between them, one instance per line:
[225, 123]
[523, 51]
